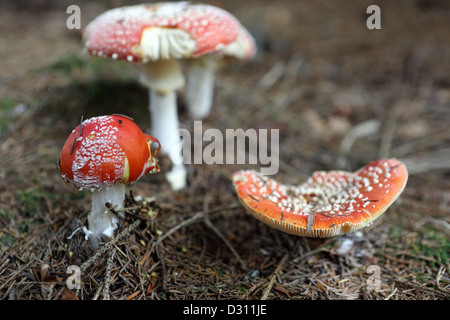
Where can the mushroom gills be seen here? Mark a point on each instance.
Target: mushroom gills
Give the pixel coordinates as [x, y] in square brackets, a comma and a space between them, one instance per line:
[158, 43]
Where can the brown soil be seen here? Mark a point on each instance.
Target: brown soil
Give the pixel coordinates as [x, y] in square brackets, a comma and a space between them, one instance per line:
[319, 73]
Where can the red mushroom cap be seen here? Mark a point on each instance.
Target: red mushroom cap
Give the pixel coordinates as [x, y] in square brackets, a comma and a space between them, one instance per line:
[106, 150]
[328, 204]
[118, 33]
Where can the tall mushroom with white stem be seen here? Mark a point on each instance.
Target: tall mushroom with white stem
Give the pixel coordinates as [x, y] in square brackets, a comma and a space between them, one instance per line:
[201, 72]
[156, 36]
[104, 154]
[328, 204]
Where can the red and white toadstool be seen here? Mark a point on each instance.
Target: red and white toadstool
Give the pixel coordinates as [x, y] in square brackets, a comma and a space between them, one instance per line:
[156, 36]
[201, 71]
[328, 204]
[104, 154]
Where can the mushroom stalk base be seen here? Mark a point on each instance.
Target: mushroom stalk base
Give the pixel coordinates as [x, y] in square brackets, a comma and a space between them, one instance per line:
[177, 176]
[200, 87]
[102, 222]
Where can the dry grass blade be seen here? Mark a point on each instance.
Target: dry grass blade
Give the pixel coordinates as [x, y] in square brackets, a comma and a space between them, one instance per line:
[210, 225]
[109, 245]
[109, 264]
[273, 277]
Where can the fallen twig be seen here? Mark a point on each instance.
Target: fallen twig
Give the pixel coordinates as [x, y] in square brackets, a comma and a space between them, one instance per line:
[197, 217]
[107, 280]
[219, 234]
[108, 246]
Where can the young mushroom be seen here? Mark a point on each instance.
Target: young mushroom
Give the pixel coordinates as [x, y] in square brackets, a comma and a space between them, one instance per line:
[104, 154]
[328, 204]
[154, 37]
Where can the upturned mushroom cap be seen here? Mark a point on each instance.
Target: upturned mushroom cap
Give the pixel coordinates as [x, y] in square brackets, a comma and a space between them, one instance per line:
[106, 150]
[328, 204]
[166, 30]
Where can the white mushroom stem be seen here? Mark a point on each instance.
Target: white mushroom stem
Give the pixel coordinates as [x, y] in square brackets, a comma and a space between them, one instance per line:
[200, 86]
[164, 119]
[163, 78]
[102, 222]
[165, 127]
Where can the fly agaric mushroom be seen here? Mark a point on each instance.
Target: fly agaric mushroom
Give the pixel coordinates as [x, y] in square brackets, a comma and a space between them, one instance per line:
[201, 72]
[157, 35]
[328, 204]
[104, 154]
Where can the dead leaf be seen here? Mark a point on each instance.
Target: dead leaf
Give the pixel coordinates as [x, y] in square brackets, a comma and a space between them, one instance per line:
[133, 295]
[68, 294]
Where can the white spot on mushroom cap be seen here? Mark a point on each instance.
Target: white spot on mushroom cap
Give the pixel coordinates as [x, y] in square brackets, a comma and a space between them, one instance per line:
[97, 151]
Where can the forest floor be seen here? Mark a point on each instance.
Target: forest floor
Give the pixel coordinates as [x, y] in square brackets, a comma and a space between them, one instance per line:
[320, 77]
